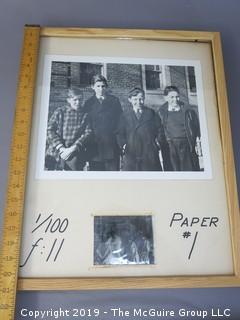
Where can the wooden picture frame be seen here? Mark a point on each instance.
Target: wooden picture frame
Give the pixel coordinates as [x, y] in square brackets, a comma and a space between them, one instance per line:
[20, 149]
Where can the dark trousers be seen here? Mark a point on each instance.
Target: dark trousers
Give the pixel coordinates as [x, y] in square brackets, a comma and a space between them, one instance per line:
[182, 158]
[131, 163]
[107, 165]
[75, 163]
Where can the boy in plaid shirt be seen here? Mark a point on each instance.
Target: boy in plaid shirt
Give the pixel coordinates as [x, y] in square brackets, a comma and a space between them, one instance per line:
[67, 134]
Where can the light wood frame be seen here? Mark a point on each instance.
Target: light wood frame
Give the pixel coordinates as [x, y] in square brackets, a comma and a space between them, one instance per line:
[21, 137]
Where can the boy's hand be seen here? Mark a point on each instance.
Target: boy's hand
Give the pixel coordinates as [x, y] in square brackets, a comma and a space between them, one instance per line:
[65, 153]
[198, 147]
[123, 149]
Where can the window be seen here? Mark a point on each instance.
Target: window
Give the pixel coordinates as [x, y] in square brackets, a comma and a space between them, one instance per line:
[87, 71]
[153, 77]
[191, 79]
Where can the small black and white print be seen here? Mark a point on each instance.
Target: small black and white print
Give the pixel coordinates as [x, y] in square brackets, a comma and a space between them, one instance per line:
[123, 240]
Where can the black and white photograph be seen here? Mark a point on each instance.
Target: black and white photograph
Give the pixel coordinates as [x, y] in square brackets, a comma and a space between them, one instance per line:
[121, 240]
[105, 116]
[127, 164]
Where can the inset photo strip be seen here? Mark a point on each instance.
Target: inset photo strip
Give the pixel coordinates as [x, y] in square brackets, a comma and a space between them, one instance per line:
[123, 240]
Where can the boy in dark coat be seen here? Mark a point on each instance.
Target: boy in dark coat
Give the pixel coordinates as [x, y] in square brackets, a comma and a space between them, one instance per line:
[182, 131]
[104, 111]
[139, 135]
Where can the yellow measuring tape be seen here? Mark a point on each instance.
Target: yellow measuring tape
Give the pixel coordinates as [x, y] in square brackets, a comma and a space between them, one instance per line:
[13, 213]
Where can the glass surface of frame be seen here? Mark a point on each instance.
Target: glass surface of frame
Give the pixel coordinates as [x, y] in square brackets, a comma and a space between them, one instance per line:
[130, 179]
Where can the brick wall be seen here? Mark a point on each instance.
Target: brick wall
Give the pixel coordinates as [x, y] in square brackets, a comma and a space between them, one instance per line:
[121, 79]
[178, 79]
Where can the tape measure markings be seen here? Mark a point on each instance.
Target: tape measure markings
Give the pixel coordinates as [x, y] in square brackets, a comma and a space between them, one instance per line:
[10, 250]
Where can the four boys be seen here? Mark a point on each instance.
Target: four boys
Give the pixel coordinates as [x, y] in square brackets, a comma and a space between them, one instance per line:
[99, 132]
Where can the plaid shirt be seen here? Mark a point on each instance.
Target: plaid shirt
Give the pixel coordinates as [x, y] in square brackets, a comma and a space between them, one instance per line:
[67, 127]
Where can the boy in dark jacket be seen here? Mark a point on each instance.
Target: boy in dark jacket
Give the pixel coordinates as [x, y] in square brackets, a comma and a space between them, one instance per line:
[139, 135]
[104, 111]
[182, 131]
